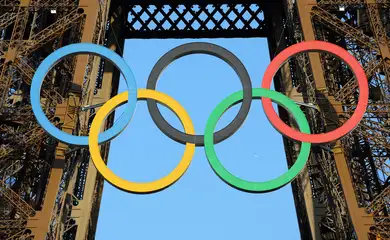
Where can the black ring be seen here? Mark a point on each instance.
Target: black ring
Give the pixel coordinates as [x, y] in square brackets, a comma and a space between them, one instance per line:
[216, 51]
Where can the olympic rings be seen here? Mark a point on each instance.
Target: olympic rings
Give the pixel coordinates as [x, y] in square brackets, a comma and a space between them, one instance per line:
[72, 49]
[132, 186]
[323, 137]
[241, 184]
[216, 51]
[189, 138]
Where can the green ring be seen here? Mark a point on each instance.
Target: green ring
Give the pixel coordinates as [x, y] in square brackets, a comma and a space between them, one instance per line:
[241, 184]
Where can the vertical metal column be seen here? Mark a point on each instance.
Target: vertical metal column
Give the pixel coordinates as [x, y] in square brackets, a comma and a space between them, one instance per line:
[361, 220]
[68, 115]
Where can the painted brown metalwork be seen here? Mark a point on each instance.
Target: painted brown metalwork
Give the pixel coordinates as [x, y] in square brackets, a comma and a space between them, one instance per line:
[52, 190]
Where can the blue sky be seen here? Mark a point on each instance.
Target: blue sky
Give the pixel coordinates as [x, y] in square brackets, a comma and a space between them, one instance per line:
[199, 205]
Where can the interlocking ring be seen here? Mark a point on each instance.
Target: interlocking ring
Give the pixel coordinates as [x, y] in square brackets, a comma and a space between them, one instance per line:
[132, 186]
[357, 70]
[73, 49]
[216, 51]
[210, 138]
[239, 183]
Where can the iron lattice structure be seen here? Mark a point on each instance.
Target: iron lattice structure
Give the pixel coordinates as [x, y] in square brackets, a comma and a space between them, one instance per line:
[51, 191]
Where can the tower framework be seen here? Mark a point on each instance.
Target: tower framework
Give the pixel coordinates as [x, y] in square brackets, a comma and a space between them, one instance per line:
[49, 190]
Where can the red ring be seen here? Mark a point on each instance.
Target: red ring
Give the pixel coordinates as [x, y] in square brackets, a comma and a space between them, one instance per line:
[357, 69]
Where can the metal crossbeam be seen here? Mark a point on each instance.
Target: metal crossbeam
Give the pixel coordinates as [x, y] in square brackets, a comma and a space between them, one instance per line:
[349, 32]
[195, 21]
[16, 200]
[351, 86]
[48, 34]
[7, 19]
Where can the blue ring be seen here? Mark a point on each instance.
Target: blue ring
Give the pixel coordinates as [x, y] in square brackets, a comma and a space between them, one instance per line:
[83, 48]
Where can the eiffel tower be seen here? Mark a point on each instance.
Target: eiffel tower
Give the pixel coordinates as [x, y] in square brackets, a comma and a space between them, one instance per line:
[49, 190]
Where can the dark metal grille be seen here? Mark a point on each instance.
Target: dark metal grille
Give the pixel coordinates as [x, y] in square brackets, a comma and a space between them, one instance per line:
[195, 21]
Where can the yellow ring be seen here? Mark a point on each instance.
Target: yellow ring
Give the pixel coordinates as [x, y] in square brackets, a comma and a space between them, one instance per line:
[126, 185]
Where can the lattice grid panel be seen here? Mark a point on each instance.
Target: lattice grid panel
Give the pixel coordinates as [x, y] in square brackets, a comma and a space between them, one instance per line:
[195, 21]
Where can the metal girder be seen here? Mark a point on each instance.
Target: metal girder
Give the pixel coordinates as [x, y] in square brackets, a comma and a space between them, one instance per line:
[349, 32]
[12, 223]
[54, 3]
[39, 4]
[47, 34]
[15, 200]
[14, 229]
[308, 11]
[29, 72]
[376, 22]
[330, 203]
[11, 169]
[378, 108]
[15, 52]
[200, 20]
[335, 217]
[376, 132]
[366, 128]
[380, 201]
[326, 207]
[20, 235]
[351, 86]
[17, 35]
[7, 19]
[381, 228]
[380, 34]
[9, 3]
[383, 3]
[35, 42]
[373, 128]
[339, 2]
[4, 84]
[33, 135]
[3, 45]
[20, 25]
[68, 113]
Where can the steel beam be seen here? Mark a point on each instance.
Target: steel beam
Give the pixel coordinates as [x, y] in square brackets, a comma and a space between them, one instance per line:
[361, 220]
